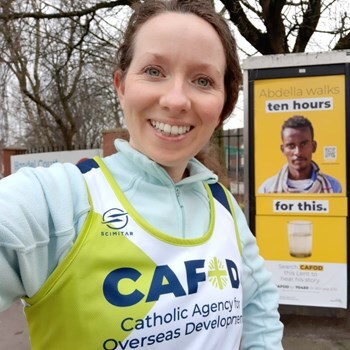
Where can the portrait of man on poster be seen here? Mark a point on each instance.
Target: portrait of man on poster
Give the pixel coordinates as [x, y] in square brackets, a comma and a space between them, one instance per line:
[300, 174]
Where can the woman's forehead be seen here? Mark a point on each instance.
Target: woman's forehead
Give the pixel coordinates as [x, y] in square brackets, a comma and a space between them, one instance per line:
[186, 35]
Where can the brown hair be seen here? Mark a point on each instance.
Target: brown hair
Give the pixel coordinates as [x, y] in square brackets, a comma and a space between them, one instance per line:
[297, 122]
[201, 8]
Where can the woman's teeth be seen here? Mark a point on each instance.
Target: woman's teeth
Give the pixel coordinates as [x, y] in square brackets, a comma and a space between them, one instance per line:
[173, 130]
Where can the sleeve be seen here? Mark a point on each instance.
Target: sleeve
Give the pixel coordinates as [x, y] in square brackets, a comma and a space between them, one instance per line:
[262, 329]
[39, 212]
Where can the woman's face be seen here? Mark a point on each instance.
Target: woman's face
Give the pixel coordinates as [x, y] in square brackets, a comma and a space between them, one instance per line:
[173, 93]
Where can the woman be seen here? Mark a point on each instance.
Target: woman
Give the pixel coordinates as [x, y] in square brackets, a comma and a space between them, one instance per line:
[136, 253]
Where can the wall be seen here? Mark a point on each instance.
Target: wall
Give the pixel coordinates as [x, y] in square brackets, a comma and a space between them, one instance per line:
[108, 148]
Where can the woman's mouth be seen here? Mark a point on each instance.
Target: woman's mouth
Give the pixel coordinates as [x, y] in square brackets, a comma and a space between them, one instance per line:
[170, 130]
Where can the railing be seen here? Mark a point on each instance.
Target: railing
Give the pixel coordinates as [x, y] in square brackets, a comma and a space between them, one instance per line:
[234, 158]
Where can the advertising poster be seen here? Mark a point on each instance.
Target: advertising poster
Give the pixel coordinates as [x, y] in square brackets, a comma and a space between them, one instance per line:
[301, 226]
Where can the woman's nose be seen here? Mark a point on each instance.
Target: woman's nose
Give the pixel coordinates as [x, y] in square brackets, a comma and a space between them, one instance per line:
[175, 97]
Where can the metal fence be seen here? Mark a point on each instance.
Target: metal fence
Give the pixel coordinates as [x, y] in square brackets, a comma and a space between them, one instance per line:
[234, 158]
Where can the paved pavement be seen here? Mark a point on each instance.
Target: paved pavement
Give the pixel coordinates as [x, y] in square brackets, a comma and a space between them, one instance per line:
[301, 332]
[316, 333]
[13, 329]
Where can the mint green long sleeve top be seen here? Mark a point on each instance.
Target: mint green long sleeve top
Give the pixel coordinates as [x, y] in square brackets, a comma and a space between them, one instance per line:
[42, 211]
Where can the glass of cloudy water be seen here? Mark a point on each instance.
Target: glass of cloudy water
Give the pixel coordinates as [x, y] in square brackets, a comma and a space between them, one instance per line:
[300, 238]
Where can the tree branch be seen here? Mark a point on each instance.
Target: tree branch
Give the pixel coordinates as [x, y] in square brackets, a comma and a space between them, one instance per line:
[6, 15]
[253, 35]
[272, 16]
[309, 25]
[343, 43]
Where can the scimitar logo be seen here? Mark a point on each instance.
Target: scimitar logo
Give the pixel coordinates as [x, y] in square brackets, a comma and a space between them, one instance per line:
[115, 218]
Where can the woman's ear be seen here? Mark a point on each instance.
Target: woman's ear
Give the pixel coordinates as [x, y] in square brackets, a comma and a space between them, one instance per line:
[118, 82]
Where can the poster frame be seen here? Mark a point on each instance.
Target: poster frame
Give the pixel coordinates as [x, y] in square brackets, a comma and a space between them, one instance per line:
[273, 68]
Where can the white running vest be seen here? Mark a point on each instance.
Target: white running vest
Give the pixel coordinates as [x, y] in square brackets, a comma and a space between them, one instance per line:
[140, 288]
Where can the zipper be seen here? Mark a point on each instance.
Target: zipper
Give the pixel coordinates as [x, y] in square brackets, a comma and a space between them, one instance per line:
[178, 197]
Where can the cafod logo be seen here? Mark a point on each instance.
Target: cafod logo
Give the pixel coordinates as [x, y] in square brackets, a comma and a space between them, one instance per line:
[115, 218]
[165, 279]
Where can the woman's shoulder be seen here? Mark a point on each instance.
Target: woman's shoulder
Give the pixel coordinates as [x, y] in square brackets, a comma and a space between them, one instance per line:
[36, 194]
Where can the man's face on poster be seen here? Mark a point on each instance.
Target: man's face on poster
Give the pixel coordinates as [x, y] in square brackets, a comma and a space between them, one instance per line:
[298, 147]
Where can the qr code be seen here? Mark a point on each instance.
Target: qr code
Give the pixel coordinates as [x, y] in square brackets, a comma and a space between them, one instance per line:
[330, 153]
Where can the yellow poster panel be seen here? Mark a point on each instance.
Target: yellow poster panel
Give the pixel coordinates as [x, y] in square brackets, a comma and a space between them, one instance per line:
[321, 100]
[307, 239]
[307, 258]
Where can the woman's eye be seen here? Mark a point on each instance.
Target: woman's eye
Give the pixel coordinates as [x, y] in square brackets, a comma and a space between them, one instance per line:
[203, 82]
[153, 72]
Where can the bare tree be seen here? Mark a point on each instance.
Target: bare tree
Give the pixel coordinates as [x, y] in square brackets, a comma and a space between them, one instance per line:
[275, 27]
[64, 71]
[60, 53]
[268, 25]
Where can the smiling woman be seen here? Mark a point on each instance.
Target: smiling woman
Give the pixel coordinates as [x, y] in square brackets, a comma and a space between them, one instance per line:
[173, 85]
[133, 249]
